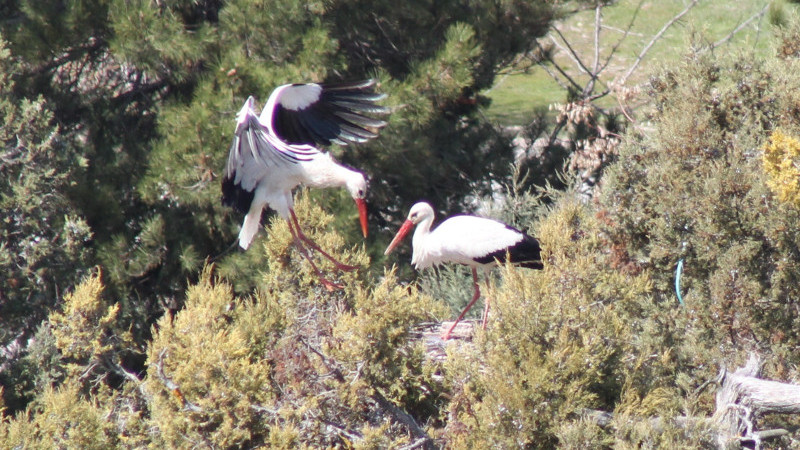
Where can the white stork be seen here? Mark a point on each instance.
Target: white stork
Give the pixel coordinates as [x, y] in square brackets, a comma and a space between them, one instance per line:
[469, 240]
[274, 153]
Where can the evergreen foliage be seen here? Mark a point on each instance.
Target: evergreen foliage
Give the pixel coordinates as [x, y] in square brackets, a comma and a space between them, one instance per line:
[696, 190]
[291, 365]
[117, 116]
[127, 322]
[44, 240]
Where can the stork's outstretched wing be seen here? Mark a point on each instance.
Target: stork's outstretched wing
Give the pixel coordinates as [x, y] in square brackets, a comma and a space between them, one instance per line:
[254, 155]
[321, 114]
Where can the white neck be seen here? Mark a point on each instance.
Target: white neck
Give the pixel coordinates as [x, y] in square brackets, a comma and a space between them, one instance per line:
[421, 232]
[324, 172]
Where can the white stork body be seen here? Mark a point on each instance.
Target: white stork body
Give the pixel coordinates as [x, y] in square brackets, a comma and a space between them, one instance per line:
[276, 191]
[473, 241]
[274, 153]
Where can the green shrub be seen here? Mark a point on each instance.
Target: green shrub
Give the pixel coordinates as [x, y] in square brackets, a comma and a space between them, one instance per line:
[695, 190]
[293, 364]
[556, 342]
[63, 418]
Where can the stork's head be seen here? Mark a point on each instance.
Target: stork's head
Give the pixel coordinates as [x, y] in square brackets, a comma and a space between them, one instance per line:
[418, 213]
[356, 185]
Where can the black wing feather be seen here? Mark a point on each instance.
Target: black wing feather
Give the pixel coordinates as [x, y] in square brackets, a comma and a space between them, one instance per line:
[235, 196]
[525, 253]
[338, 116]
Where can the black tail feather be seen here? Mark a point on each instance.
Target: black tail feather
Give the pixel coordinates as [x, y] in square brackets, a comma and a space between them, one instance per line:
[525, 253]
[236, 196]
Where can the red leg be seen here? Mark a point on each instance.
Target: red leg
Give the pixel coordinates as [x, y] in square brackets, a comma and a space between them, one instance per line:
[486, 303]
[313, 245]
[329, 285]
[475, 297]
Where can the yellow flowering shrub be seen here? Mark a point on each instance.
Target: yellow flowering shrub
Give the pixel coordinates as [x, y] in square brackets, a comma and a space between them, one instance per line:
[781, 158]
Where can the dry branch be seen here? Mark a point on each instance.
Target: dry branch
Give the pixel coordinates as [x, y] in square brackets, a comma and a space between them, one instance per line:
[741, 26]
[743, 398]
[397, 413]
[655, 39]
[430, 334]
[172, 386]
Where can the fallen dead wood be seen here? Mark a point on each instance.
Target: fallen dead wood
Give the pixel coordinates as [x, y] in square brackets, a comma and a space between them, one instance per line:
[430, 333]
[743, 398]
[605, 419]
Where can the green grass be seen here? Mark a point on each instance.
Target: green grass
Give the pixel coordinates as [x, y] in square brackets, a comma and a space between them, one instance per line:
[517, 94]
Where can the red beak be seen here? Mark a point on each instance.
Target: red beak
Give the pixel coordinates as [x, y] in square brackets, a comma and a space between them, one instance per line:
[401, 234]
[362, 214]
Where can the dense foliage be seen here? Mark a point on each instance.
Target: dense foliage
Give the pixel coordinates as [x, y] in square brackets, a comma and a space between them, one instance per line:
[117, 116]
[126, 322]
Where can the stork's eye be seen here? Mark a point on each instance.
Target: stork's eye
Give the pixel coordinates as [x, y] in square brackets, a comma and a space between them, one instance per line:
[360, 192]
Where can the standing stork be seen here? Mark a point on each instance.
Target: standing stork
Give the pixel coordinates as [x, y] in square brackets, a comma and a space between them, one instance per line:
[273, 153]
[473, 241]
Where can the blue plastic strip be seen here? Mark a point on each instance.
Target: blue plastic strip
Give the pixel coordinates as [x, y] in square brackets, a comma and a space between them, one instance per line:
[678, 272]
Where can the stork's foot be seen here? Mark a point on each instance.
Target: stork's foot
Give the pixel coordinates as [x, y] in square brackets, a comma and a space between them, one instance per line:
[345, 267]
[330, 285]
[446, 335]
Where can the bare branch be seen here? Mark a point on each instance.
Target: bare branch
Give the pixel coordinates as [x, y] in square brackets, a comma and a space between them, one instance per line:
[743, 398]
[740, 27]
[601, 94]
[605, 419]
[595, 69]
[560, 71]
[397, 413]
[761, 395]
[658, 36]
[172, 386]
[624, 111]
[416, 444]
[573, 55]
[625, 33]
[569, 51]
[352, 435]
[405, 418]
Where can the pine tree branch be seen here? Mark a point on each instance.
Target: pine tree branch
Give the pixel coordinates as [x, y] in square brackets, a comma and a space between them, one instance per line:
[94, 45]
[11, 156]
[140, 89]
